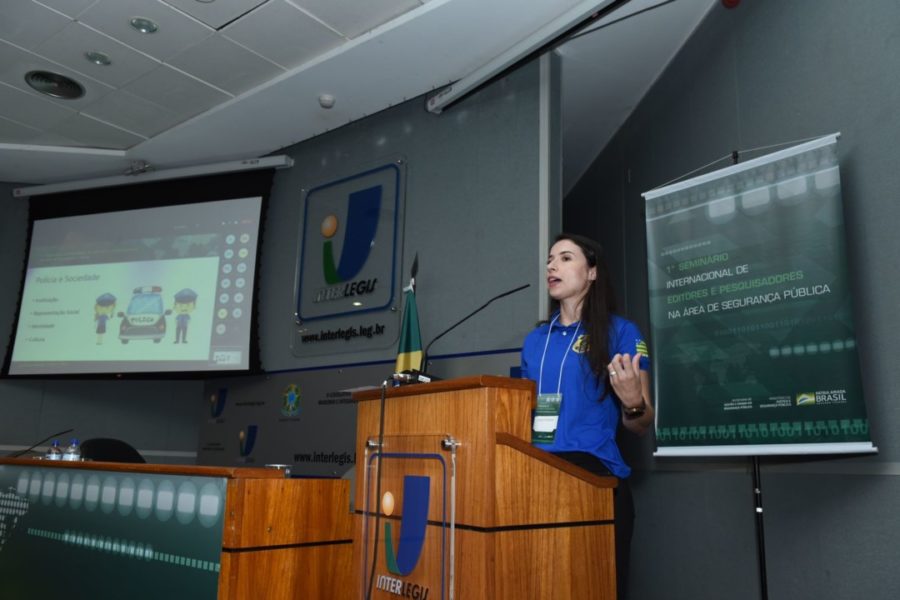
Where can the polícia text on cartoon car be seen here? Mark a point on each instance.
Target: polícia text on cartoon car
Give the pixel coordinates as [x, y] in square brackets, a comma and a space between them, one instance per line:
[145, 317]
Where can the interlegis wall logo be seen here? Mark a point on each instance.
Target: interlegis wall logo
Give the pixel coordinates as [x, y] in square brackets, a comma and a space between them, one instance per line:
[247, 439]
[350, 244]
[363, 208]
[217, 402]
[359, 229]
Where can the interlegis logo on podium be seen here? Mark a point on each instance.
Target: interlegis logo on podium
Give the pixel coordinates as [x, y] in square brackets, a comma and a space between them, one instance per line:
[413, 525]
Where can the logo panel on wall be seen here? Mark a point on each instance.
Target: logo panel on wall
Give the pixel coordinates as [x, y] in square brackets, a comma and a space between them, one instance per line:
[246, 442]
[347, 274]
[217, 404]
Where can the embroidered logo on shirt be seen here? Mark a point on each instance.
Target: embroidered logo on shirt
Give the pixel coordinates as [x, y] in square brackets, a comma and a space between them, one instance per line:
[641, 346]
[581, 344]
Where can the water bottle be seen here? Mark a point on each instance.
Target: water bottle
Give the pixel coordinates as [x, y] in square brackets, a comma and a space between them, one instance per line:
[54, 452]
[73, 451]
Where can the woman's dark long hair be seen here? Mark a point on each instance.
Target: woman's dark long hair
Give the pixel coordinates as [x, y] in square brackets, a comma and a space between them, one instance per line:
[598, 306]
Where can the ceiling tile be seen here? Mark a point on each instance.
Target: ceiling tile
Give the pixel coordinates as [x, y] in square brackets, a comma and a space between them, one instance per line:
[15, 63]
[17, 133]
[132, 113]
[72, 8]
[351, 17]
[226, 65]
[27, 24]
[69, 46]
[94, 133]
[31, 109]
[182, 94]
[218, 13]
[54, 139]
[177, 31]
[283, 33]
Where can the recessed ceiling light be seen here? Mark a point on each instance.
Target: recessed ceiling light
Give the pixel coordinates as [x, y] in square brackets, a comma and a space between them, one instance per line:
[98, 58]
[144, 25]
[54, 84]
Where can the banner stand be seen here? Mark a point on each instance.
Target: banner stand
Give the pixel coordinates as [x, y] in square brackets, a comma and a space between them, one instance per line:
[757, 500]
[752, 326]
[760, 530]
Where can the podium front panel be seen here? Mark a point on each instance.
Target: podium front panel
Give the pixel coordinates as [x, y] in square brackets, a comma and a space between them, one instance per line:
[408, 516]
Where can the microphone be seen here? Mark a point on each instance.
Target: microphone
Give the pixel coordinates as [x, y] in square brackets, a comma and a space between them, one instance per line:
[36, 444]
[463, 320]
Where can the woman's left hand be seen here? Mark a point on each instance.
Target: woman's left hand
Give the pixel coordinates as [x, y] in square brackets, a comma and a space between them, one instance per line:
[625, 378]
[632, 386]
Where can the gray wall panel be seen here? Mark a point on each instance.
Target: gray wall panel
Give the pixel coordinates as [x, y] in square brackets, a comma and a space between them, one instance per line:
[827, 535]
[765, 73]
[695, 537]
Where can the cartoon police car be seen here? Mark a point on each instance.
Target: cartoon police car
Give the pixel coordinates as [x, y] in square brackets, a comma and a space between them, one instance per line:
[145, 317]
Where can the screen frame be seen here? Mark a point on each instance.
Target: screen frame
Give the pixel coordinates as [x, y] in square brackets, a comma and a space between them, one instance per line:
[157, 194]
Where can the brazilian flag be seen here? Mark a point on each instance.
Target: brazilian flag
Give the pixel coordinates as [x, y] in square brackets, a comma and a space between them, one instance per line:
[409, 350]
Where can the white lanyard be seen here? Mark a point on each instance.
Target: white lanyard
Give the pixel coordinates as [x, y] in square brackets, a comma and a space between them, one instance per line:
[566, 355]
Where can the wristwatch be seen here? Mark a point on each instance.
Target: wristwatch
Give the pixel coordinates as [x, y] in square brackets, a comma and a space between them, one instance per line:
[634, 412]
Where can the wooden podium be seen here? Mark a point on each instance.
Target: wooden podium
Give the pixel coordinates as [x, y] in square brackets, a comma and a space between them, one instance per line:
[510, 522]
[138, 531]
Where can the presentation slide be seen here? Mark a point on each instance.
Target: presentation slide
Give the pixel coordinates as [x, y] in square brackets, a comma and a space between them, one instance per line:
[150, 290]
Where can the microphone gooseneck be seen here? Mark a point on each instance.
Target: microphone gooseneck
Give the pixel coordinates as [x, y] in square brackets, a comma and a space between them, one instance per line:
[36, 444]
[371, 581]
[464, 319]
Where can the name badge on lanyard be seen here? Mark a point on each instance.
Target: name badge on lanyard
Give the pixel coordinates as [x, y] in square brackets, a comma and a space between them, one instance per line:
[546, 418]
[546, 415]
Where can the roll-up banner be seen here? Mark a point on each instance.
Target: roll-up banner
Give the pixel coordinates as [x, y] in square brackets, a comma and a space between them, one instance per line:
[753, 344]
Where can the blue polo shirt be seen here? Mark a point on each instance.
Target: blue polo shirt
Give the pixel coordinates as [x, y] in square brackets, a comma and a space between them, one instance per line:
[589, 414]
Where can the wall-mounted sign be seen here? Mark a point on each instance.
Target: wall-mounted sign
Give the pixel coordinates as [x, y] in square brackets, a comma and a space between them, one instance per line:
[347, 274]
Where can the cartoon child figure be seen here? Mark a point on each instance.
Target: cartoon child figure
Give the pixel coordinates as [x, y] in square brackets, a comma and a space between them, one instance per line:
[185, 303]
[104, 309]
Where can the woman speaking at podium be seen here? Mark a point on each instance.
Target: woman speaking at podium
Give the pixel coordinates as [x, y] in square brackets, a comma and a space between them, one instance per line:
[590, 366]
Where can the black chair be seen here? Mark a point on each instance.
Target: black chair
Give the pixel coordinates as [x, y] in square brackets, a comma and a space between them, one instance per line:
[110, 450]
